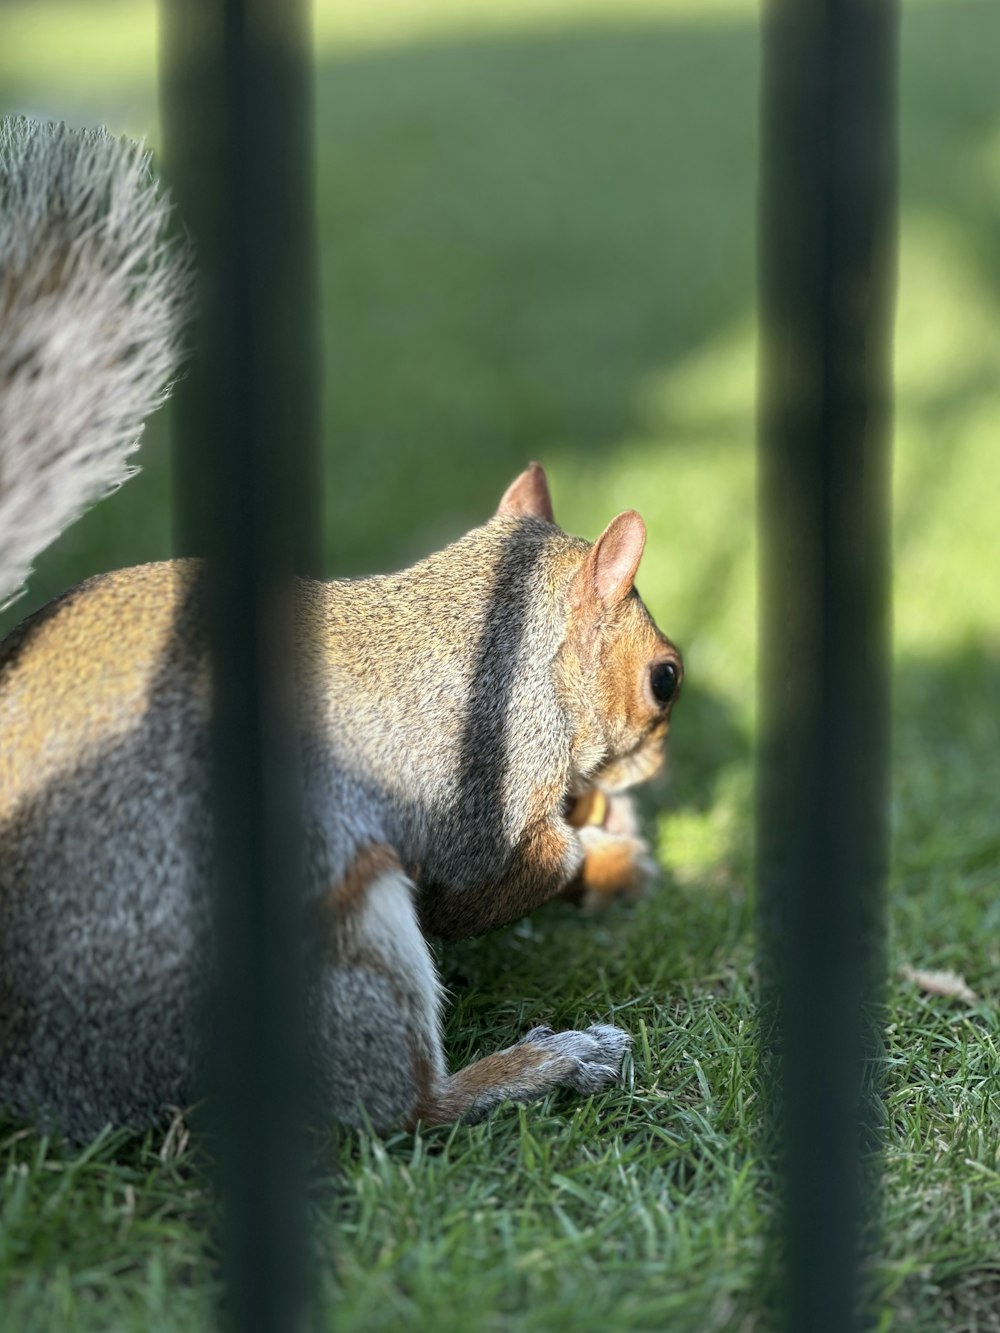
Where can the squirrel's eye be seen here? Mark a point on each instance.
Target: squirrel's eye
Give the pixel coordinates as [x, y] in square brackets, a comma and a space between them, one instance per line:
[663, 682]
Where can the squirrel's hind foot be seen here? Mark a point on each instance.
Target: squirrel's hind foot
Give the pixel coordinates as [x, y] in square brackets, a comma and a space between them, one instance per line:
[593, 1057]
[541, 1061]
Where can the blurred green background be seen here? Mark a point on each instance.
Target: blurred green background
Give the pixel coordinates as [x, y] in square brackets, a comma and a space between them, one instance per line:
[536, 222]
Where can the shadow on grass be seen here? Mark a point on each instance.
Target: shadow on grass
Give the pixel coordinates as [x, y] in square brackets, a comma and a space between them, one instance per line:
[532, 226]
[944, 904]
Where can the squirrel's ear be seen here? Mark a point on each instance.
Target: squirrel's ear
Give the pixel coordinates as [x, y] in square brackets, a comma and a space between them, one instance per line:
[528, 496]
[609, 569]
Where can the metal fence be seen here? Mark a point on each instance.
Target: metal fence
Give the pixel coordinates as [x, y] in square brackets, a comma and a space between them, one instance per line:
[236, 80]
[827, 245]
[237, 112]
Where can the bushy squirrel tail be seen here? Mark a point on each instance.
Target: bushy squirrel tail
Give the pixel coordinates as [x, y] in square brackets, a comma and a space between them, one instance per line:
[94, 295]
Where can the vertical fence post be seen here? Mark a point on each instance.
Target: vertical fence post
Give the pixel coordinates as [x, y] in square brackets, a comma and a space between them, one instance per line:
[238, 119]
[827, 281]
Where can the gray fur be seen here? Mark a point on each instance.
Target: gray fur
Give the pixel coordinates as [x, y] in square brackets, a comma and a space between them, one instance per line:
[435, 724]
[356, 1029]
[105, 925]
[439, 755]
[105, 869]
[93, 296]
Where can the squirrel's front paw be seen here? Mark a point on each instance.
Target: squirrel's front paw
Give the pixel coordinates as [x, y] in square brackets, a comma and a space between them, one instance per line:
[589, 1060]
[617, 862]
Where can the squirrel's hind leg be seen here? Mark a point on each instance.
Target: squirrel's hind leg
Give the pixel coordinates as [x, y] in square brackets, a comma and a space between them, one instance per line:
[375, 1011]
[541, 1061]
[375, 1021]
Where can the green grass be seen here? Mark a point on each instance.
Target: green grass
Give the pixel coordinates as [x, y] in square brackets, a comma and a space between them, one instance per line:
[537, 231]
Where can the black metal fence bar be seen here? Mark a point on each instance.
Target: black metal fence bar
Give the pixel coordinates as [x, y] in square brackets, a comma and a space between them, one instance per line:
[238, 118]
[827, 283]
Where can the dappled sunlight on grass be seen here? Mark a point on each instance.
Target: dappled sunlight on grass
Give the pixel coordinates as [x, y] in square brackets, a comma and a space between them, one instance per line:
[947, 473]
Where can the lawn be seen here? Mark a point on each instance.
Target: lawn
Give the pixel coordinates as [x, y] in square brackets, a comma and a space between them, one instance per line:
[537, 240]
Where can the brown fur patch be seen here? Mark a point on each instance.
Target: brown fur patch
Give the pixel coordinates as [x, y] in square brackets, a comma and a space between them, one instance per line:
[370, 864]
[522, 1071]
[340, 906]
[632, 647]
[612, 646]
[431, 1094]
[610, 869]
[537, 871]
[636, 724]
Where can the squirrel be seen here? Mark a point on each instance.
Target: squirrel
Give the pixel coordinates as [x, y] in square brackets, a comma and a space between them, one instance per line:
[476, 720]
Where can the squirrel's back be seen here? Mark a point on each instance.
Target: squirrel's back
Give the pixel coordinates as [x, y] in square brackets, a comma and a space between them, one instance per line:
[437, 683]
[83, 673]
[430, 689]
